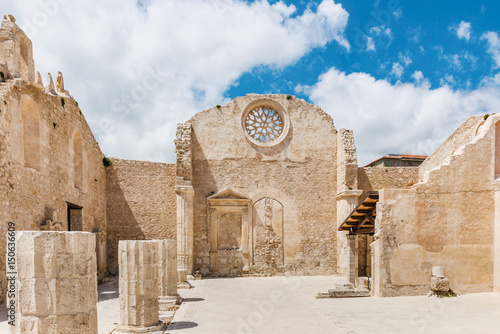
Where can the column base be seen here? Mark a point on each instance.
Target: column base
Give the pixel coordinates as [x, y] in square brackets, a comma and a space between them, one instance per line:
[159, 328]
[169, 301]
[167, 317]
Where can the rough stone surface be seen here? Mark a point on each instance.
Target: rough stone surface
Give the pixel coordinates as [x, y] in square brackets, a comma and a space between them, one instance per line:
[440, 284]
[16, 52]
[56, 283]
[446, 220]
[348, 293]
[140, 203]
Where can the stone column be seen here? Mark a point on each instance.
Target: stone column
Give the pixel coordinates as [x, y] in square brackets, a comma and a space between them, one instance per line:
[167, 277]
[56, 284]
[351, 258]
[346, 202]
[185, 233]
[138, 286]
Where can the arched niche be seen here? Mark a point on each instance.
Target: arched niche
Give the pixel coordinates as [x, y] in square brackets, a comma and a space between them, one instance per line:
[31, 133]
[268, 233]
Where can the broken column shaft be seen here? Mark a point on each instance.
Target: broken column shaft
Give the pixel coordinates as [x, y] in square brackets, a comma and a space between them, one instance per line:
[138, 285]
[56, 286]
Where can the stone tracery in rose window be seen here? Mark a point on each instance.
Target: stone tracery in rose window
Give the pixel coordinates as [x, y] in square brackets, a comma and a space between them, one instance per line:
[264, 124]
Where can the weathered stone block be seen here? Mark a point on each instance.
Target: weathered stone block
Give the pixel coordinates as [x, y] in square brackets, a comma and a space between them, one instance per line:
[334, 293]
[344, 286]
[59, 296]
[440, 284]
[438, 272]
[35, 297]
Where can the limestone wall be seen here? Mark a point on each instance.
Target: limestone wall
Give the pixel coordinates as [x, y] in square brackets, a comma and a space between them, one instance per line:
[39, 167]
[299, 173]
[376, 178]
[448, 221]
[141, 203]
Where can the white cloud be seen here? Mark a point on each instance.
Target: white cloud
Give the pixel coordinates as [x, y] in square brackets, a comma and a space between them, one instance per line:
[382, 32]
[493, 46]
[397, 70]
[448, 79]
[464, 30]
[398, 13]
[405, 59]
[418, 76]
[457, 61]
[400, 118]
[137, 70]
[370, 45]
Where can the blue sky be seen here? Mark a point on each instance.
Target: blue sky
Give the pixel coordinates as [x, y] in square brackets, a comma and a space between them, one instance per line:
[421, 33]
[402, 74]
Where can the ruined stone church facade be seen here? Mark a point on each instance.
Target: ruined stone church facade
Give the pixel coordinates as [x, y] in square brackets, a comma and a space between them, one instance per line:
[260, 187]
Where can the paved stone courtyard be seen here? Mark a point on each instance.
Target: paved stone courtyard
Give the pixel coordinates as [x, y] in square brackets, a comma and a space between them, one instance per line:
[287, 305]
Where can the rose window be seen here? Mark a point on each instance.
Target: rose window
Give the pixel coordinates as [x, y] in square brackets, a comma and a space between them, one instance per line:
[264, 124]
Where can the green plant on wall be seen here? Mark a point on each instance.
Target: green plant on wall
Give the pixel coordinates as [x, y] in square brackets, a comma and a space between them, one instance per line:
[106, 162]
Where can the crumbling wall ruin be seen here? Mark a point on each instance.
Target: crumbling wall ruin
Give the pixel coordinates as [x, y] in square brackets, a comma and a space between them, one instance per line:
[447, 220]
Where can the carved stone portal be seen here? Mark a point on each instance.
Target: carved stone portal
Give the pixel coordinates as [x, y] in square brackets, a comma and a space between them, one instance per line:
[268, 233]
[229, 233]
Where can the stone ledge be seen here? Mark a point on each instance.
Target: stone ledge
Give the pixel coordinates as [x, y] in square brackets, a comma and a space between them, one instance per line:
[343, 293]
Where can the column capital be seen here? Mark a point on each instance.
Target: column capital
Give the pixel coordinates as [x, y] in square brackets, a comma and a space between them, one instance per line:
[348, 193]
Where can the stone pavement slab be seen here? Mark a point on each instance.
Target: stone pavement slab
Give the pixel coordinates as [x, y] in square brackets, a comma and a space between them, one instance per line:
[288, 305]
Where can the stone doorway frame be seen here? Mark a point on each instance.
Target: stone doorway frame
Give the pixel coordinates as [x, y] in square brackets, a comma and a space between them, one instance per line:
[227, 201]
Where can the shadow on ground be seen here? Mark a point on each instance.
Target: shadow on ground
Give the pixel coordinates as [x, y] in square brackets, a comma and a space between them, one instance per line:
[181, 325]
[193, 299]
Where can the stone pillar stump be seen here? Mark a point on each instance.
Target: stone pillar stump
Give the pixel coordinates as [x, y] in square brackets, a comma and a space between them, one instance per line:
[138, 286]
[56, 284]
[167, 277]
